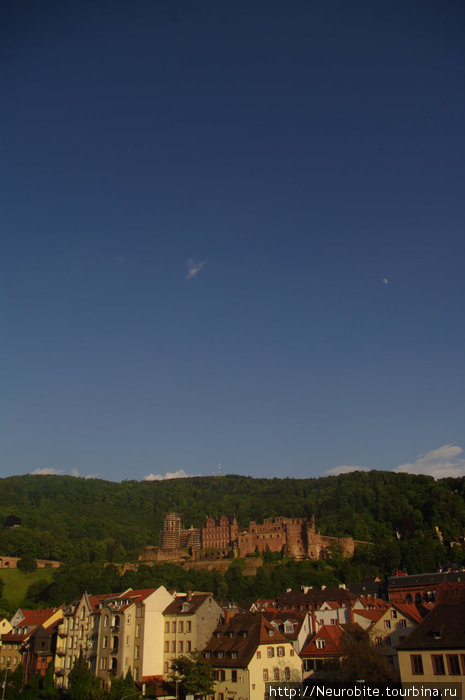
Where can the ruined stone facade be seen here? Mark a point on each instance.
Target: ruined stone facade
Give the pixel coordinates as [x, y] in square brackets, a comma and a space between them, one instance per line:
[296, 537]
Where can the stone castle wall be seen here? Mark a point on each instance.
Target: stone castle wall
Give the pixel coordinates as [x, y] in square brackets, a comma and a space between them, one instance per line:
[296, 537]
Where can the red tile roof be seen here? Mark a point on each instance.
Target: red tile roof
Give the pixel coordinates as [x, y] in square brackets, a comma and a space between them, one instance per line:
[333, 637]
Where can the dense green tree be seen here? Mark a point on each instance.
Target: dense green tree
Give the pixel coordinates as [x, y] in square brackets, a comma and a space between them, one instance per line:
[27, 564]
[82, 684]
[193, 673]
[363, 660]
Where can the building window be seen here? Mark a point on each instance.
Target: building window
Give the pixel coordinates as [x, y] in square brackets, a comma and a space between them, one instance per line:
[173, 626]
[129, 621]
[181, 626]
[394, 614]
[136, 674]
[137, 630]
[438, 664]
[173, 647]
[401, 639]
[276, 674]
[270, 652]
[259, 654]
[221, 675]
[287, 673]
[403, 623]
[189, 626]
[188, 646]
[320, 643]
[417, 664]
[139, 611]
[292, 652]
[106, 620]
[280, 651]
[387, 624]
[167, 647]
[453, 664]
[265, 674]
[105, 642]
[166, 667]
[379, 641]
[167, 627]
[220, 655]
[180, 647]
[234, 676]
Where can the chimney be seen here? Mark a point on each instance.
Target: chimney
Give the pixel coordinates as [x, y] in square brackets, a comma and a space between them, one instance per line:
[189, 595]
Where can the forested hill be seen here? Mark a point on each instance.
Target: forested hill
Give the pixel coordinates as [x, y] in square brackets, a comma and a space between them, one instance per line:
[74, 519]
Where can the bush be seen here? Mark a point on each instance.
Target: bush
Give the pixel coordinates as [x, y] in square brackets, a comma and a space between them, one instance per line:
[27, 564]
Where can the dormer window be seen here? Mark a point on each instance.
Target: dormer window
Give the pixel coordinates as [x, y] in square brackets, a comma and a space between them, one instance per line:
[320, 643]
[185, 607]
[208, 654]
[220, 654]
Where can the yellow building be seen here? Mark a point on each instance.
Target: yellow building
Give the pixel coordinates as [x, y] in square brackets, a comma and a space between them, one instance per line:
[247, 654]
[22, 625]
[435, 651]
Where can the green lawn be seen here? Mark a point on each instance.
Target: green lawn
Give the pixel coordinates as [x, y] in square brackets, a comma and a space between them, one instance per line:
[17, 583]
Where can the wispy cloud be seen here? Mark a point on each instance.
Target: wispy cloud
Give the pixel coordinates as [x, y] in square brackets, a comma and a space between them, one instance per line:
[42, 471]
[445, 461]
[46, 471]
[180, 474]
[194, 267]
[345, 469]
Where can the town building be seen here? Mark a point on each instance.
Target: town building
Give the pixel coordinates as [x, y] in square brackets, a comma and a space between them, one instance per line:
[78, 632]
[248, 653]
[435, 651]
[130, 634]
[23, 624]
[189, 622]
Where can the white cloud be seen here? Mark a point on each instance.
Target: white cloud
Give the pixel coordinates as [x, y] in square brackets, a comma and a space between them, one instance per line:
[194, 267]
[42, 471]
[74, 472]
[96, 475]
[440, 463]
[443, 462]
[345, 469]
[385, 280]
[180, 474]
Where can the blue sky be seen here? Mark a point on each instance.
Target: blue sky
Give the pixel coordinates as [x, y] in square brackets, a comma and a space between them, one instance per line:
[232, 232]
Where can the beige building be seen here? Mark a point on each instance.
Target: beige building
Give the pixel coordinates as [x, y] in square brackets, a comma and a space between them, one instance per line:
[189, 622]
[247, 654]
[130, 634]
[78, 631]
[388, 628]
